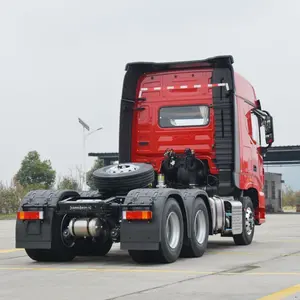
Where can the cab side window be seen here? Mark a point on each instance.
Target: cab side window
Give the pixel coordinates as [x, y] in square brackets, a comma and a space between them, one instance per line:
[255, 128]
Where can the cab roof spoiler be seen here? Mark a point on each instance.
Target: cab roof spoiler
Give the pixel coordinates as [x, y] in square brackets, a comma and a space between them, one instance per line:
[215, 62]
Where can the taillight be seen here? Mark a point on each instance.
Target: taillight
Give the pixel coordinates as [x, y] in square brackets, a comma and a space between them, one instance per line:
[30, 215]
[137, 215]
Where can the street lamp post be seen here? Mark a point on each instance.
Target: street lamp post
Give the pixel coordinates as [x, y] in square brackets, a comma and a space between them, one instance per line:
[85, 127]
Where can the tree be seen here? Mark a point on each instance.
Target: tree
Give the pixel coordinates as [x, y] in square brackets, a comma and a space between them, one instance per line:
[34, 172]
[99, 163]
[290, 197]
[68, 183]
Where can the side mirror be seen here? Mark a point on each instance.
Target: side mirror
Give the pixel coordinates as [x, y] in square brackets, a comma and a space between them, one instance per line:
[269, 131]
[263, 150]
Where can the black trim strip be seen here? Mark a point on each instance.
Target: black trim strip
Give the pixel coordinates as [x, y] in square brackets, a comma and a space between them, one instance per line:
[224, 130]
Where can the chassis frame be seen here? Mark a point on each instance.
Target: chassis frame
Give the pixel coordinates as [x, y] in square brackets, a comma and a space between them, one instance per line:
[132, 235]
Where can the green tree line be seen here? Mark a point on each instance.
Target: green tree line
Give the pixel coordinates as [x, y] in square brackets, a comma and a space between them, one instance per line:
[35, 173]
[290, 197]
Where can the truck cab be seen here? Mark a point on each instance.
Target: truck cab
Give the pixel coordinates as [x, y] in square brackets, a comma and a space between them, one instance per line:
[206, 107]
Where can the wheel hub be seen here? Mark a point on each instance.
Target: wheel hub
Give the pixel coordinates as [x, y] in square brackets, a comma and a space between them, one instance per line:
[122, 168]
[249, 220]
[200, 226]
[173, 230]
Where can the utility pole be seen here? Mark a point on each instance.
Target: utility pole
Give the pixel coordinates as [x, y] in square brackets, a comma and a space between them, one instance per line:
[85, 127]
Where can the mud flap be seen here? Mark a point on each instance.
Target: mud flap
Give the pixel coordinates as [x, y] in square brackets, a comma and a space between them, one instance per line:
[140, 234]
[37, 234]
[34, 234]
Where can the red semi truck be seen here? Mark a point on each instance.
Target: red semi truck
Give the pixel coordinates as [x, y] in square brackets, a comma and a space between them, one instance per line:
[191, 144]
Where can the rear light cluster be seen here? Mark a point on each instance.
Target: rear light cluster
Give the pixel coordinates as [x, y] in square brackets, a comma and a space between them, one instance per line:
[127, 215]
[30, 215]
[137, 215]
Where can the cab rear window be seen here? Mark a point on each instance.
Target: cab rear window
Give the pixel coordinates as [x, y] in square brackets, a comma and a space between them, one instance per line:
[183, 116]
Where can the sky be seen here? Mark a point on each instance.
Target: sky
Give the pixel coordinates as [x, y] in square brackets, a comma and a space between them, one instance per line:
[60, 60]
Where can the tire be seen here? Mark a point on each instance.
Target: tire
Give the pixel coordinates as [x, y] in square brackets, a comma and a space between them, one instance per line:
[123, 177]
[59, 252]
[248, 212]
[90, 248]
[89, 194]
[40, 255]
[166, 253]
[199, 231]
[143, 256]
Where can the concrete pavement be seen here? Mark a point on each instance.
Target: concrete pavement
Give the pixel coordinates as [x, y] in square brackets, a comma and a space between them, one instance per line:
[271, 264]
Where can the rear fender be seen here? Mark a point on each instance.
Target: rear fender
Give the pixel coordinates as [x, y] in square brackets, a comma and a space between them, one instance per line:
[190, 197]
[37, 234]
[144, 235]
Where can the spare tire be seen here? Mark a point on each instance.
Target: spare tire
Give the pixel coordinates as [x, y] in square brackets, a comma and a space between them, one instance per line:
[123, 177]
[89, 194]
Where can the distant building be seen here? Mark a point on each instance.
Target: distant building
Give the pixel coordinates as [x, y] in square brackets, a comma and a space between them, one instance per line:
[273, 192]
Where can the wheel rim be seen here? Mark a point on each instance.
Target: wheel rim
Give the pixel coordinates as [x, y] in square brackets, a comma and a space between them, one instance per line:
[173, 230]
[122, 168]
[249, 221]
[66, 237]
[200, 226]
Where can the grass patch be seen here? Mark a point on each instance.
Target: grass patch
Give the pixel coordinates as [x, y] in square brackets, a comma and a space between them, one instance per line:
[289, 208]
[7, 216]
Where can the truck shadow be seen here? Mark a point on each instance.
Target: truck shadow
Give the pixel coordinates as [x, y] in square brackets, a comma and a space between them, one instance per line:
[121, 258]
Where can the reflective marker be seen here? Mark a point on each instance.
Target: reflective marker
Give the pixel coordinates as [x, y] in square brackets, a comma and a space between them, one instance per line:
[30, 215]
[137, 215]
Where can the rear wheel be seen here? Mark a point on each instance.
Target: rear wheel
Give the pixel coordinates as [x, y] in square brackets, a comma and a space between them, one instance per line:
[143, 256]
[40, 255]
[199, 231]
[62, 247]
[246, 237]
[172, 228]
[93, 248]
[172, 231]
